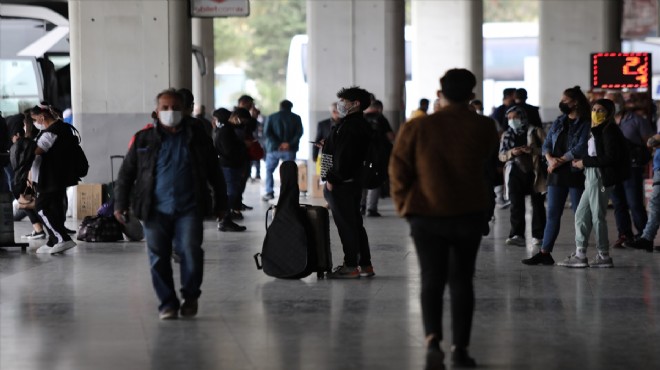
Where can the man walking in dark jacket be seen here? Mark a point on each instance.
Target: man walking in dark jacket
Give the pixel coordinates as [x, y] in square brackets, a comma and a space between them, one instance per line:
[341, 162]
[283, 131]
[167, 169]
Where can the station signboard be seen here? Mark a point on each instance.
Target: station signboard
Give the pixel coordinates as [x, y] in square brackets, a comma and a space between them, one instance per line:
[220, 8]
[620, 70]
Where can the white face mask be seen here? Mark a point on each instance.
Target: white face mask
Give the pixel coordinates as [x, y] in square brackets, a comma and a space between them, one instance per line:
[515, 123]
[170, 118]
[343, 109]
[39, 126]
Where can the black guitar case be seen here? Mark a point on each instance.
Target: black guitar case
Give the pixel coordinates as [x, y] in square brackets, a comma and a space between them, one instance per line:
[285, 249]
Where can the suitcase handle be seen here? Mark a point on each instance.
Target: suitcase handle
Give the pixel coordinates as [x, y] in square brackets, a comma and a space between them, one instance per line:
[268, 213]
[256, 260]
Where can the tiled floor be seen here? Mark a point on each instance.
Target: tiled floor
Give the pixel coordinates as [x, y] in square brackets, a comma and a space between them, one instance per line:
[94, 308]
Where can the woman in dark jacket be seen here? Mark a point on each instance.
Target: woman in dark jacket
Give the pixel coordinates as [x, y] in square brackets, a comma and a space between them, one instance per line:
[566, 141]
[232, 153]
[606, 164]
[21, 156]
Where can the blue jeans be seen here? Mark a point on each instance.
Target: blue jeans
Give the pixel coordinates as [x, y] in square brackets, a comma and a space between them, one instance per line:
[628, 199]
[556, 199]
[9, 174]
[653, 223]
[185, 232]
[272, 160]
[234, 180]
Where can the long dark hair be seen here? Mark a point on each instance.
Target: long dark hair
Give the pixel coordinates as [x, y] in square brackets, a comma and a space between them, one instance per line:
[583, 108]
[47, 110]
[29, 125]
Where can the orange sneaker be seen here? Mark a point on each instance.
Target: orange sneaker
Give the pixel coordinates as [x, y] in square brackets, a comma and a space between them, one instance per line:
[344, 272]
[367, 271]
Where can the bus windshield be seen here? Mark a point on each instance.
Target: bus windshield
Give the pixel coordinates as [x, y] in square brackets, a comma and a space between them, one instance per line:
[20, 86]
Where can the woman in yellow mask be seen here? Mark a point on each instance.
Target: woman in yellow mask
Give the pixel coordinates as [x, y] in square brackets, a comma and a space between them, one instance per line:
[606, 164]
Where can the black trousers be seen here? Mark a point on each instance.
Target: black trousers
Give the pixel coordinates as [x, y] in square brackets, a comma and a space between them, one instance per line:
[344, 202]
[521, 184]
[447, 250]
[50, 208]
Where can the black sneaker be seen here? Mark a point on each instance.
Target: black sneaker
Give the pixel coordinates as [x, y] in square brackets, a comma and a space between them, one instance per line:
[168, 314]
[189, 308]
[371, 213]
[644, 244]
[540, 259]
[69, 231]
[35, 235]
[231, 226]
[245, 207]
[236, 215]
[434, 356]
[461, 358]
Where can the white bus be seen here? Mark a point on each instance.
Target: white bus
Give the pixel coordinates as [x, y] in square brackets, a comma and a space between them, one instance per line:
[510, 60]
[35, 60]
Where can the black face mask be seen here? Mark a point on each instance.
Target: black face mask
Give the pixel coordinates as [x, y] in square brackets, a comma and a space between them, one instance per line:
[564, 108]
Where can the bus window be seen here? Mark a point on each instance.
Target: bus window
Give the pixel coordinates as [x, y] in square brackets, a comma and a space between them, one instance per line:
[20, 84]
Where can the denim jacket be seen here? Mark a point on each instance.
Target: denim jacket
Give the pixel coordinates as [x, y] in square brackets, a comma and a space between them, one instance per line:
[578, 134]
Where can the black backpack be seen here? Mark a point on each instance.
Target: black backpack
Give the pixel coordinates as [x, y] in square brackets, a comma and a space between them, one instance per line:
[374, 167]
[79, 159]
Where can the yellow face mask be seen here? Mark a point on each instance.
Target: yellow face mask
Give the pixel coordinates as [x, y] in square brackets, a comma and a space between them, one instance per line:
[597, 118]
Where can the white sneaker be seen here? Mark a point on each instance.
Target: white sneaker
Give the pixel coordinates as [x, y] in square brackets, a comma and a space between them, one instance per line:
[537, 242]
[516, 240]
[44, 249]
[61, 247]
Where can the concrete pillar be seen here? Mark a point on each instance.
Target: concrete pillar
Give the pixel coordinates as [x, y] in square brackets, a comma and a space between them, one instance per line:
[122, 54]
[203, 86]
[567, 37]
[445, 35]
[355, 42]
[180, 43]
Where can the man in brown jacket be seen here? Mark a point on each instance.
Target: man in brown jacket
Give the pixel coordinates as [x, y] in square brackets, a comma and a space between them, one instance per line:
[439, 182]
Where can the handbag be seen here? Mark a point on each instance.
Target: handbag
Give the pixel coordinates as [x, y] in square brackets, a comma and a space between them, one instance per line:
[255, 151]
[27, 200]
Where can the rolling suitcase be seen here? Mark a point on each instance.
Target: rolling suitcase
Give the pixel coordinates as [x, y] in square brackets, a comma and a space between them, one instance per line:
[317, 223]
[297, 243]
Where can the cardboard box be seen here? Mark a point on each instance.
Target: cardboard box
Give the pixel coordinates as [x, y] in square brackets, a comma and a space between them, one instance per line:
[88, 200]
[317, 187]
[302, 176]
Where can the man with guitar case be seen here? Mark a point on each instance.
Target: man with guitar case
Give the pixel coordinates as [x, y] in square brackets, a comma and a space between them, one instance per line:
[297, 242]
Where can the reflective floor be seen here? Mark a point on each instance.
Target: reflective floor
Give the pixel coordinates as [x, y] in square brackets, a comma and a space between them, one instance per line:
[94, 308]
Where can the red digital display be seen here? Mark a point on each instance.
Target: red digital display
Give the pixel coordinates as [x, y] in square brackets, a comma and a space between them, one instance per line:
[620, 70]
